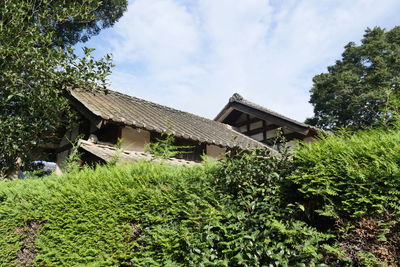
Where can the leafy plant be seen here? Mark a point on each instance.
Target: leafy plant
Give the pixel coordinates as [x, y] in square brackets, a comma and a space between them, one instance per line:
[118, 151]
[350, 174]
[37, 69]
[361, 89]
[349, 185]
[248, 209]
[165, 147]
[256, 227]
[73, 161]
[132, 215]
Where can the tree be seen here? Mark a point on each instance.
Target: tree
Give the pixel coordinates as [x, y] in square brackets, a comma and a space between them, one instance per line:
[35, 72]
[79, 29]
[362, 88]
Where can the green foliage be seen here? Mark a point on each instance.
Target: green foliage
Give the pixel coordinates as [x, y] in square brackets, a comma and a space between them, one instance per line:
[115, 158]
[139, 215]
[35, 75]
[332, 202]
[73, 161]
[350, 174]
[101, 14]
[165, 147]
[362, 88]
[257, 227]
[369, 260]
[232, 213]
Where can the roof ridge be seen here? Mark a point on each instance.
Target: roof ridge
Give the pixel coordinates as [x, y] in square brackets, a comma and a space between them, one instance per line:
[242, 100]
[235, 97]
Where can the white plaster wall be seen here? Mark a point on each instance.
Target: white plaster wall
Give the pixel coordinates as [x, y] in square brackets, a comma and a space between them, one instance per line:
[70, 136]
[215, 151]
[258, 137]
[243, 128]
[134, 139]
[61, 158]
[242, 118]
[287, 131]
[271, 133]
[256, 125]
[309, 139]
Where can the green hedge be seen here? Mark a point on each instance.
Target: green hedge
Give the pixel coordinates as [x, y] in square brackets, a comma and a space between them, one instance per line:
[247, 210]
[351, 174]
[137, 215]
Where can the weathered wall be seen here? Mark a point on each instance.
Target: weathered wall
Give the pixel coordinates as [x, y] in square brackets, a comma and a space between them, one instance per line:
[61, 158]
[134, 139]
[215, 151]
[309, 139]
[70, 136]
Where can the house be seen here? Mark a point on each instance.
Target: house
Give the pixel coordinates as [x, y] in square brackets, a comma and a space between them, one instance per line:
[262, 124]
[107, 116]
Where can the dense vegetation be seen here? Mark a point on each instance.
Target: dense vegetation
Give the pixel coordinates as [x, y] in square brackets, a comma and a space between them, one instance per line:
[349, 185]
[362, 88]
[38, 64]
[334, 203]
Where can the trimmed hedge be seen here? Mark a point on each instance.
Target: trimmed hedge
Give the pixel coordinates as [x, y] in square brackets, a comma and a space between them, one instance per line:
[134, 215]
[335, 202]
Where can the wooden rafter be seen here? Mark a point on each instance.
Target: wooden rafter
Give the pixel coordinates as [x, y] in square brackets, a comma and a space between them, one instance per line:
[262, 129]
[270, 118]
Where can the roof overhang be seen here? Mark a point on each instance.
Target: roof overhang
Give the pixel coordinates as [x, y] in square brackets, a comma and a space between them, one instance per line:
[96, 107]
[109, 153]
[237, 103]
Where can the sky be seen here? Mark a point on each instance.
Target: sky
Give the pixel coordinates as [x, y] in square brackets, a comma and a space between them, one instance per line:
[193, 55]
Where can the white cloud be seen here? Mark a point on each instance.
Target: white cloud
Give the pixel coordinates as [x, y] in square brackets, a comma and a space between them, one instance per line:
[157, 32]
[193, 54]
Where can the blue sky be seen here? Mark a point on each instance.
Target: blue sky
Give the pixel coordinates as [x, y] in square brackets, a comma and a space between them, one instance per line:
[194, 54]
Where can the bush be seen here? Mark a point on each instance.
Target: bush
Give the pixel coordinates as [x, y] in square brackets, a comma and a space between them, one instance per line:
[349, 185]
[256, 227]
[335, 202]
[351, 174]
[231, 213]
[144, 214]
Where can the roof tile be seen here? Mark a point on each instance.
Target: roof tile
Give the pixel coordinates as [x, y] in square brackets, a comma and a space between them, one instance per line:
[136, 112]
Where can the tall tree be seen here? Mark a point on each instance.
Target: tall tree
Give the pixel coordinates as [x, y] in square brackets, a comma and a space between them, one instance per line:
[35, 72]
[103, 14]
[363, 88]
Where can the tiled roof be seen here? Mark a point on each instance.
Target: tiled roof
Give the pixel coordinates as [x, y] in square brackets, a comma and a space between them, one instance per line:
[237, 98]
[109, 153]
[120, 108]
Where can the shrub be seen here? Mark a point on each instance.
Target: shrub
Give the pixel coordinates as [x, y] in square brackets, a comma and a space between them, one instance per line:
[165, 148]
[249, 209]
[256, 227]
[349, 185]
[144, 214]
[351, 174]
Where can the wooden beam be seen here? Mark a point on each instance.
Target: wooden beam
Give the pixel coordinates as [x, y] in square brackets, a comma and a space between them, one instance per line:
[264, 125]
[224, 113]
[252, 120]
[94, 119]
[262, 129]
[232, 117]
[271, 118]
[292, 136]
